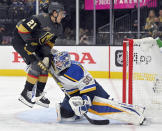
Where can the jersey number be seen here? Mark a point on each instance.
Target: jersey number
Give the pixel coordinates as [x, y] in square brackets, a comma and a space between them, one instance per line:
[31, 24]
[87, 80]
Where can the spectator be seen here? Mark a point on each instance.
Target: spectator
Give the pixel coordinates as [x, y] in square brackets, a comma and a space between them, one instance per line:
[160, 15]
[150, 21]
[134, 30]
[68, 34]
[44, 7]
[155, 28]
[30, 7]
[84, 39]
[160, 24]
[6, 40]
[17, 9]
[2, 30]
[7, 2]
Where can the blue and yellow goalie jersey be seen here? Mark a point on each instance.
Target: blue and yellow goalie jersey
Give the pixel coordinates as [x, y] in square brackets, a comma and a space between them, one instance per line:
[75, 79]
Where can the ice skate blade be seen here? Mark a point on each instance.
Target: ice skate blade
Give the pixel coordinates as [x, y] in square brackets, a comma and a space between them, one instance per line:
[25, 102]
[42, 104]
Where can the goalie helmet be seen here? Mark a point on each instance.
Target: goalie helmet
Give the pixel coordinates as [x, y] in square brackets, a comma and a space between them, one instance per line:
[61, 61]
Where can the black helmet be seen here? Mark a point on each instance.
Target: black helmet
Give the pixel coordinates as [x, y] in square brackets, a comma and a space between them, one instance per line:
[44, 7]
[55, 6]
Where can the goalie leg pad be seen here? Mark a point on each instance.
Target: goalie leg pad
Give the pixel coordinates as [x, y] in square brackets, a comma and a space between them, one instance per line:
[115, 110]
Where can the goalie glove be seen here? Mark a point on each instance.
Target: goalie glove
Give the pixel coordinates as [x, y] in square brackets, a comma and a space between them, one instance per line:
[80, 105]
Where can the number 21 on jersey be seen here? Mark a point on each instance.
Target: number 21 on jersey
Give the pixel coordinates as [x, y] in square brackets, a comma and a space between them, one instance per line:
[31, 24]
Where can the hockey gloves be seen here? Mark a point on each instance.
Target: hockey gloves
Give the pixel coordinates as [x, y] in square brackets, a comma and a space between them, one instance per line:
[30, 47]
[80, 105]
[44, 64]
[47, 38]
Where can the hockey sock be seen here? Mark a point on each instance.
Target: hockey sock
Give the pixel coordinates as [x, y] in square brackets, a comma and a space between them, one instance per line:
[42, 79]
[30, 82]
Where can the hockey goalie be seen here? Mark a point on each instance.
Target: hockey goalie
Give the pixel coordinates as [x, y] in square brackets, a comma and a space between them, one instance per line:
[84, 94]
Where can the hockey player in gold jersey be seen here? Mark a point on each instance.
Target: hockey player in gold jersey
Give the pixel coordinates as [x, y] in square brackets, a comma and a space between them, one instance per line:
[35, 36]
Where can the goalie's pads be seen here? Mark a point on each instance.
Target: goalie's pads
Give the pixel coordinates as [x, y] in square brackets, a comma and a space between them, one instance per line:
[80, 105]
[111, 109]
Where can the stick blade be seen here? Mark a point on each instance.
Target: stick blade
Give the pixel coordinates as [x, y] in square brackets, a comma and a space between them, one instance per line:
[100, 122]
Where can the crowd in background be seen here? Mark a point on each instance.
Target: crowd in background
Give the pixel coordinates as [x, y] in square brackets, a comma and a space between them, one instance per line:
[13, 10]
[154, 24]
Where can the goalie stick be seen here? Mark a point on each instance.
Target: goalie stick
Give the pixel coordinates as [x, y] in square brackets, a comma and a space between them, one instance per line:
[92, 121]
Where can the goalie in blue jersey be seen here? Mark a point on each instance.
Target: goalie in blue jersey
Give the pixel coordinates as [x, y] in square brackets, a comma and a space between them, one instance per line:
[84, 94]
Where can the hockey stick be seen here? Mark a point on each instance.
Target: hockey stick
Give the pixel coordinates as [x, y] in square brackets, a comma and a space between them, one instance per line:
[92, 121]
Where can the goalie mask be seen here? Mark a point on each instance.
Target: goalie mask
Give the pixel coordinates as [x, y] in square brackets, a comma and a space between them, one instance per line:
[61, 61]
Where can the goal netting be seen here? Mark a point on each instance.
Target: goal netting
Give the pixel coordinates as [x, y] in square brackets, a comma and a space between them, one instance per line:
[142, 74]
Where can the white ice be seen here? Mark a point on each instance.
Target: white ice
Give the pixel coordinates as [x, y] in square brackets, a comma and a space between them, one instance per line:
[15, 116]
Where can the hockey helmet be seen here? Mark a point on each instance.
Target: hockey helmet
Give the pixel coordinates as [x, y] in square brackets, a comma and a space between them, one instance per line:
[61, 61]
[44, 7]
[55, 6]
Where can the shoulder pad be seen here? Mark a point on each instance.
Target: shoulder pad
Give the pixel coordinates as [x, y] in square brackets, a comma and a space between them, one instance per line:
[31, 23]
[75, 72]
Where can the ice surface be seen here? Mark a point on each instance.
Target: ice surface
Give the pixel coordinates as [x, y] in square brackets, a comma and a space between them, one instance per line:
[15, 116]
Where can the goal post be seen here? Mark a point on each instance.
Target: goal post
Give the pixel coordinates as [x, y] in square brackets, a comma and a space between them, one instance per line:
[128, 43]
[142, 73]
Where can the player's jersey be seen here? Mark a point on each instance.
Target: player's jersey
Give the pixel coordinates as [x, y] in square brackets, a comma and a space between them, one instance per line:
[38, 28]
[75, 79]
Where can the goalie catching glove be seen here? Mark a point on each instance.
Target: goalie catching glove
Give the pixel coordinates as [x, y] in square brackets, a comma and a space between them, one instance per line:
[80, 105]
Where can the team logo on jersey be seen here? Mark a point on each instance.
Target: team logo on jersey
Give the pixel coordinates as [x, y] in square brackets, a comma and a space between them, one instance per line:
[119, 58]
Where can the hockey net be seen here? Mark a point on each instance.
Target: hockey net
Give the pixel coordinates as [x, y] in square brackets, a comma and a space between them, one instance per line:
[142, 74]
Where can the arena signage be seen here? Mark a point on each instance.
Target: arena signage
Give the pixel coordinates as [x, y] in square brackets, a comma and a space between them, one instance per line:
[85, 56]
[119, 4]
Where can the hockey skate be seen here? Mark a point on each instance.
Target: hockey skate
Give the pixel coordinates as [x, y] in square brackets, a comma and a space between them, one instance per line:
[42, 100]
[26, 98]
[62, 119]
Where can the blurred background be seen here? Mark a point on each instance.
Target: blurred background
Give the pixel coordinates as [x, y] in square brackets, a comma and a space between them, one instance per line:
[85, 24]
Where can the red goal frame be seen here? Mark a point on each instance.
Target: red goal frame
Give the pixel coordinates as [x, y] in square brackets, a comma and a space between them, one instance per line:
[127, 95]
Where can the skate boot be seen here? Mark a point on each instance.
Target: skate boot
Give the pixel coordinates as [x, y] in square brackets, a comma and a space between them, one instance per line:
[42, 100]
[26, 98]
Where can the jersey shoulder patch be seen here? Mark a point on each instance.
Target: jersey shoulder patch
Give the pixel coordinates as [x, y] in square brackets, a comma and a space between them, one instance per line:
[75, 72]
